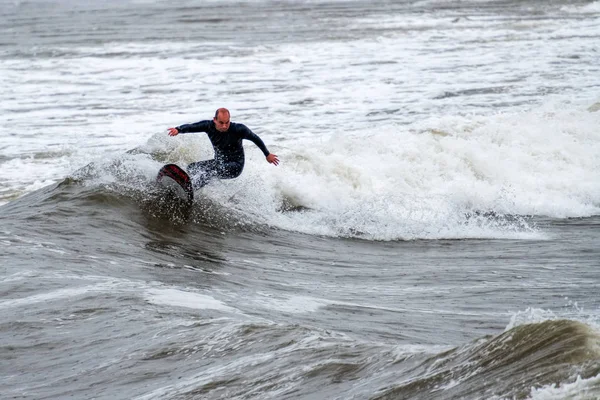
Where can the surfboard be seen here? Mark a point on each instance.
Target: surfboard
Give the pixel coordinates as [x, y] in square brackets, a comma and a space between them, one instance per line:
[176, 181]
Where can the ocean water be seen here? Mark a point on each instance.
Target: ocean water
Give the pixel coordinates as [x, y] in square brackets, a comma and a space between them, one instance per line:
[432, 231]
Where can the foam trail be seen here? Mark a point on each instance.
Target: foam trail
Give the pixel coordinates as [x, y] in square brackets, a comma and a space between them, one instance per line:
[179, 298]
[444, 177]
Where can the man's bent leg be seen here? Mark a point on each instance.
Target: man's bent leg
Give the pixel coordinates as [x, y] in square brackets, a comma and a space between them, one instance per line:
[230, 170]
[202, 172]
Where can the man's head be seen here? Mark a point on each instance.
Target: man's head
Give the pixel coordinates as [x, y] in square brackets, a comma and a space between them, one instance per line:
[221, 119]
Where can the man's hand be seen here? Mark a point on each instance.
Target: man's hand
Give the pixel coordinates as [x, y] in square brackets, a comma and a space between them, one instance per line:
[272, 158]
[173, 131]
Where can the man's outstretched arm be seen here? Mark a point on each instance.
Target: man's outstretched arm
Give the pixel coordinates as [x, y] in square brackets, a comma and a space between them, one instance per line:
[253, 137]
[200, 126]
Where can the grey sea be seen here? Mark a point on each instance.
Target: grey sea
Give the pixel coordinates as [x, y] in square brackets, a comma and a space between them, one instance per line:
[432, 231]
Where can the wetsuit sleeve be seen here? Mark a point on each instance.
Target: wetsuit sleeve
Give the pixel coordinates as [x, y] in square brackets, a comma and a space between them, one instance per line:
[200, 126]
[253, 137]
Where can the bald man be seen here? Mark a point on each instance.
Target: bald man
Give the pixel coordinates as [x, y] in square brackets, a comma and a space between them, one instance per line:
[226, 138]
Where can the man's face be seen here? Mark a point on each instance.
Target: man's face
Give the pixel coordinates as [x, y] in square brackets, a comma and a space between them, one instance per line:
[222, 122]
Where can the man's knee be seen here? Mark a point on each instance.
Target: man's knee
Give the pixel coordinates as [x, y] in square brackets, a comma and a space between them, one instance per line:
[231, 170]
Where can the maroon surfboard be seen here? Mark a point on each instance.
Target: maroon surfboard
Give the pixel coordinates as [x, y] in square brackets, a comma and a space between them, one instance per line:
[177, 181]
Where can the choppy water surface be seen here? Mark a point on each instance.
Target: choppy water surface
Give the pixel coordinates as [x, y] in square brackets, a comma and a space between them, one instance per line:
[431, 233]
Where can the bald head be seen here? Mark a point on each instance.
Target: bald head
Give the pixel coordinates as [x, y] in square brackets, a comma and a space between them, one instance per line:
[222, 111]
[221, 119]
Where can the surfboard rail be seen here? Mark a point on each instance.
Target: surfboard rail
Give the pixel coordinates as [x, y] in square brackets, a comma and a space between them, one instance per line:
[175, 179]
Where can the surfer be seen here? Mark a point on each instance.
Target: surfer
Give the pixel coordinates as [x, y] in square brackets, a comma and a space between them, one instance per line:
[226, 138]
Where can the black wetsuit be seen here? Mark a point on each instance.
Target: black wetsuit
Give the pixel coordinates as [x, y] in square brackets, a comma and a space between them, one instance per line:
[229, 152]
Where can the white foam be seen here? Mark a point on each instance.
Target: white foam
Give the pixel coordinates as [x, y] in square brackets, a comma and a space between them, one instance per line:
[530, 316]
[180, 298]
[573, 312]
[293, 304]
[422, 181]
[580, 389]
[51, 296]
[591, 8]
